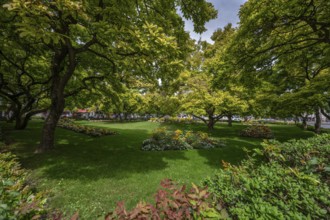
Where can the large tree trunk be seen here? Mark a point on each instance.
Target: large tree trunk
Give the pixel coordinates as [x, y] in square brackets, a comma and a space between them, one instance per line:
[211, 122]
[18, 121]
[57, 103]
[317, 121]
[59, 80]
[48, 131]
[230, 120]
[23, 121]
[304, 123]
[125, 116]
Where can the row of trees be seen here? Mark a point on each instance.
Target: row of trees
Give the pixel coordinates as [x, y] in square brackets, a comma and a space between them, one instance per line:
[56, 49]
[134, 56]
[280, 54]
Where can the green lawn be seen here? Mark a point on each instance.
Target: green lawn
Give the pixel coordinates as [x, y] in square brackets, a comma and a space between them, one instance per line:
[92, 174]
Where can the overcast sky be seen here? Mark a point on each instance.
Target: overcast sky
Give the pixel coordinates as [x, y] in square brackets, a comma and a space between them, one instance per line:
[227, 13]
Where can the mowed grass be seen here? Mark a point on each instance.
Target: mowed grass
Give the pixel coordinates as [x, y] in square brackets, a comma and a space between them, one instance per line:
[90, 175]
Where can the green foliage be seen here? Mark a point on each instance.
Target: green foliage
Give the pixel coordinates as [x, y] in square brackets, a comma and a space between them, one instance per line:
[292, 184]
[271, 29]
[257, 131]
[308, 156]
[88, 174]
[18, 200]
[96, 44]
[94, 132]
[200, 97]
[178, 140]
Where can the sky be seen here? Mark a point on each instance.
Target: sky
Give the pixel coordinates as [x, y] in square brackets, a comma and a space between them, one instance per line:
[227, 13]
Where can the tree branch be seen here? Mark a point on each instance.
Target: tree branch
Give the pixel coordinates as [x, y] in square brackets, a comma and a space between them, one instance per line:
[205, 121]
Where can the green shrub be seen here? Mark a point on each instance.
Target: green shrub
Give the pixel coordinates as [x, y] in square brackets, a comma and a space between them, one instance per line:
[308, 156]
[178, 140]
[291, 183]
[257, 131]
[17, 198]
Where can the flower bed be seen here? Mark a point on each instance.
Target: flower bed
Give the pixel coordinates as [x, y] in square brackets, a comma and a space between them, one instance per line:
[94, 132]
[188, 120]
[257, 131]
[178, 140]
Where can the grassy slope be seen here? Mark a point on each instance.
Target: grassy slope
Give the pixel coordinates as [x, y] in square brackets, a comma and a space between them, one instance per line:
[91, 174]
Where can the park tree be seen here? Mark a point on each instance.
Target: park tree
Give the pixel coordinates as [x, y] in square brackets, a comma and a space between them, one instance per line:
[207, 103]
[302, 79]
[224, 75]
[97, 40]
[160, 103]
[23, 85]
[287, 44]
[128, 103]
[271, 29]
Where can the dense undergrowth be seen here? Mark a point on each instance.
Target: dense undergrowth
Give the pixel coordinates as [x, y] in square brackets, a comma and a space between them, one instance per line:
[18, 198]
[279, 181]
[292, 182]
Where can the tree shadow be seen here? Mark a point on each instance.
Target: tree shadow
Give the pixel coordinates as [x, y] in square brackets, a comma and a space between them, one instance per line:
[78, 156]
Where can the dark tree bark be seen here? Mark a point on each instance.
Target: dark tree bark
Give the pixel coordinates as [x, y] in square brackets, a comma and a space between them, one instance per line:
[317, 120]
[22, 120]
[211, 122]
[304, 123]
[18, 122]
[57, 97]
[230, 120]
[55, 111]
[48, 131]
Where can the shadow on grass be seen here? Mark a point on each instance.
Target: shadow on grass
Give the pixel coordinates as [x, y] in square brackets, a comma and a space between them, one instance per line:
[234, 152]
[78, 156]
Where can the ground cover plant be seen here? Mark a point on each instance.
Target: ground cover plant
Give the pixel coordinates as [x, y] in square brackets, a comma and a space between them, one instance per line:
[18, 199]
[90, 175]
[163, 139]
[291, 183]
